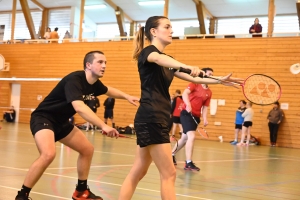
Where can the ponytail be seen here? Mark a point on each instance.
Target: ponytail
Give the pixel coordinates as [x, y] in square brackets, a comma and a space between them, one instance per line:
[138, 43]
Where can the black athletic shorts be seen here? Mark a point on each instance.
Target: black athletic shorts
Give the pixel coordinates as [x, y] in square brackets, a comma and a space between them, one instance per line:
[176, 120]
[40, 121]
[238, 126]
[108, 113]
[247, 124]
[187, 122]
[151, 133]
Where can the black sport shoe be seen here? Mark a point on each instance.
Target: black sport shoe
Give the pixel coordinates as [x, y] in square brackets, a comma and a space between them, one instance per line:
[21, 196]
[174, 160]
[191, 166]
[86, 194]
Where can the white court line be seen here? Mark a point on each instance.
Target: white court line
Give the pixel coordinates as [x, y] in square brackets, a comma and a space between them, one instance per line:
[199, 161]
[107, 183]
[44, 194]
[99, 166]
[113, 184]
[48, 195]
[130, 155]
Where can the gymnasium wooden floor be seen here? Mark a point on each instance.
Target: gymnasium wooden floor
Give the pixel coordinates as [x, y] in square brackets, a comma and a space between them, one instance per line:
[227, 172]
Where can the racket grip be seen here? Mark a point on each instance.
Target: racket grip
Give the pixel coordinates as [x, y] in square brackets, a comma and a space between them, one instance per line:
[188, 71]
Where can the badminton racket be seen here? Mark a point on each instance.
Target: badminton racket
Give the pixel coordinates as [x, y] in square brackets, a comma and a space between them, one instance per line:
[120, 135]
[295, 68]
[259, 89]
[203, 133]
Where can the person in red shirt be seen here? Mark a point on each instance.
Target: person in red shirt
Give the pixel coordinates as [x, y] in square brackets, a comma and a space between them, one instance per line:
[195, 97]
[176, 109]
[256, 27]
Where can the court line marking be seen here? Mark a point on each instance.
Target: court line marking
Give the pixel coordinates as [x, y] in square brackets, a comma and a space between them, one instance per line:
[129, 165]
[130, 155]
[113, 184]
[44, 194]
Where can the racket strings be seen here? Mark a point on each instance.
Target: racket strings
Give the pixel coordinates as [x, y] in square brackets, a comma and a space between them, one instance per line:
[261, 89]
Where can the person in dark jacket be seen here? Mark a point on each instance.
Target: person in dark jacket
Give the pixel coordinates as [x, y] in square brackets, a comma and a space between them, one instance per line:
[256, 27]
[109, 104]
[275, 117]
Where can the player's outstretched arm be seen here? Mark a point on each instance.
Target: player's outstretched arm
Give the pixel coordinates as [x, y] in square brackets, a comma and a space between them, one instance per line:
[118, 94]
[87, 114]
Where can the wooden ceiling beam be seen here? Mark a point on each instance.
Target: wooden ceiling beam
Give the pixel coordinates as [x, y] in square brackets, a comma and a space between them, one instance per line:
[28, 18]
[44, 24]
[200, 14]
[166, 8]
[205, 10]
[121, 21]
[13, 20]
[271, 16]
[114, 6]
[38, 4]
[81, 19]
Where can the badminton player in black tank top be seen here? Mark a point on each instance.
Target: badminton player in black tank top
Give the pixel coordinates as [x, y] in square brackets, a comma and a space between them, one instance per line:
[156, 71]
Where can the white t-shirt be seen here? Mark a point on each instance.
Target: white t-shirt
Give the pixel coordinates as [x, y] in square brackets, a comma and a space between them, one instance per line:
[248, 115]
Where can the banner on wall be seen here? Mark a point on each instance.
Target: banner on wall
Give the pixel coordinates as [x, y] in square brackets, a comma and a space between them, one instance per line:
[2, 27]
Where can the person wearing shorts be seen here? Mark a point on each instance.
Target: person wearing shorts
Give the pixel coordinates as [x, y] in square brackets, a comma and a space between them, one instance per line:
[239, 121]
[156, 71]
[196, 97]
[109, 105]
[175, 110]
[246, 129]
[49, 123]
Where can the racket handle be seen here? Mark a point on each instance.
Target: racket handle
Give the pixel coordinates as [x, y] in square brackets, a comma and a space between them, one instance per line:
[188, 71]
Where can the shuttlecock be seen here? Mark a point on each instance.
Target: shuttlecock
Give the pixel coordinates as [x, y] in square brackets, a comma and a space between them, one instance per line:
[221, 138]
[295, 68]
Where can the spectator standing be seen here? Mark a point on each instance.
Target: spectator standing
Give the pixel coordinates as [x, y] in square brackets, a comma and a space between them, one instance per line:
[275, 117]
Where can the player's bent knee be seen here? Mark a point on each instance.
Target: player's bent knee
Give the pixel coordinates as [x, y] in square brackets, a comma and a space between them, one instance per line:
[48, 157]
[87, 150]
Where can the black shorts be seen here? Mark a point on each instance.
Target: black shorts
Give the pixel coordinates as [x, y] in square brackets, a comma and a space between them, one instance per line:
[151, 133]
[40, 121]
[108, 113]
[247, 124]
[238, 126]
[187, 122]
[176, 120]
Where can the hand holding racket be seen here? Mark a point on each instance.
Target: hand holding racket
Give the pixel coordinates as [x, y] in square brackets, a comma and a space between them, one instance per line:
[203, 133]
[110, 132]
[259, 89]
[225, 80]
[119, 135]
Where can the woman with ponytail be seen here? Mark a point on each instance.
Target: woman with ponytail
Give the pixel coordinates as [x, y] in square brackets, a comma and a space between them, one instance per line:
[156, 71]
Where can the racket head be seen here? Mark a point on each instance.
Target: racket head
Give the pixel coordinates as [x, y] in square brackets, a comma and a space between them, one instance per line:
[295, 68]
[261, 89]
[203, 133]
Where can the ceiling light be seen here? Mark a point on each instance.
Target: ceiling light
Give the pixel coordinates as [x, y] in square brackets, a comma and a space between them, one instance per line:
[90, 7]
[148, 3]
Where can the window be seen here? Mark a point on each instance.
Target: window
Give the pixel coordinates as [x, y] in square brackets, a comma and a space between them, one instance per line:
[108, 31]
[60, 19]
[242, 25]
[21, 30]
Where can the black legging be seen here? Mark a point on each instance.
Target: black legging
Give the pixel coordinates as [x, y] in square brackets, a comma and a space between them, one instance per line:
[273, 132]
